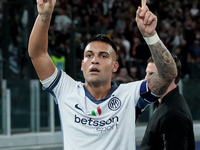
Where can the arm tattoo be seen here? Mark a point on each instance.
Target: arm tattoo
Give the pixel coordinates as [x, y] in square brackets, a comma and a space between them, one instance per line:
[43, 20]
[159, 82]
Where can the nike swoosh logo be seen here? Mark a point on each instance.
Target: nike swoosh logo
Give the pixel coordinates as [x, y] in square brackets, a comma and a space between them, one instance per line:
[76, 106]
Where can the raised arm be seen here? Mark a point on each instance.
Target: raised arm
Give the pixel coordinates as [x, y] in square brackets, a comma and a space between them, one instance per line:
[38, 42]
[159, 81]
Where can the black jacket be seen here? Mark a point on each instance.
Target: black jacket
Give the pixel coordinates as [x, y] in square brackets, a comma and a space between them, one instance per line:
[171, 126]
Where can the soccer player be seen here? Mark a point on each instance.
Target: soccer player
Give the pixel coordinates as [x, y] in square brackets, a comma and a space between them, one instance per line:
[171, 125]
[98, 114]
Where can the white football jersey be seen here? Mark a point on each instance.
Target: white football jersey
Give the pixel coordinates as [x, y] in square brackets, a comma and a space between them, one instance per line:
[87, 124]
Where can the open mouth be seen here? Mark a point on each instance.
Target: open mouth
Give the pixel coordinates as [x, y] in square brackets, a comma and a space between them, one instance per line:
[94, 70]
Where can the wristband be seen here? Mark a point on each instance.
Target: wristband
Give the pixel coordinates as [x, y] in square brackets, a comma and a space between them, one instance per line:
[152, 39]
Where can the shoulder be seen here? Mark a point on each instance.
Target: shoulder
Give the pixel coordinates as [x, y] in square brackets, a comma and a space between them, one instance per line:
[131, 84]
[131, 87]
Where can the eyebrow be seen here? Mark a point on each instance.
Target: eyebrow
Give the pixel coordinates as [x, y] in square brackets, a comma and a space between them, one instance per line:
[101, 52]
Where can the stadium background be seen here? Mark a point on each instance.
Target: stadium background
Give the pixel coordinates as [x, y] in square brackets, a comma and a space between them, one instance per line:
[29, 117]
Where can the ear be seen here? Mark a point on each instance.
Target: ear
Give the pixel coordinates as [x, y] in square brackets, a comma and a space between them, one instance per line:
[115, 67]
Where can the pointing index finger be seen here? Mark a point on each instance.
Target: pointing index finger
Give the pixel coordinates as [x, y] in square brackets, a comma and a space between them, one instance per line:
[144, 3]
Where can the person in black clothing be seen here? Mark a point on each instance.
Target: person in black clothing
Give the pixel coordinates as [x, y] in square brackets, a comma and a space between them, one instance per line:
[171, 125]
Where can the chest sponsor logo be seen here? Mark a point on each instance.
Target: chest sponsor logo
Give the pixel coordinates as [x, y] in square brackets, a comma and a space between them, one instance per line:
[114, 104]
[101, 125]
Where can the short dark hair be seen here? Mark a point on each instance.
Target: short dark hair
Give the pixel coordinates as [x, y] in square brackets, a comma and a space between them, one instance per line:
[178, 66]
[103, 38]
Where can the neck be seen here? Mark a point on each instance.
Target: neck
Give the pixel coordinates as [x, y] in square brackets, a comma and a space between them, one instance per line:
[171, 87]
[99, 92]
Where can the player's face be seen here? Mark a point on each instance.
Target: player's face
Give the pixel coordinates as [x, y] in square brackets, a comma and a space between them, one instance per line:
[99, 63]
[151, 68]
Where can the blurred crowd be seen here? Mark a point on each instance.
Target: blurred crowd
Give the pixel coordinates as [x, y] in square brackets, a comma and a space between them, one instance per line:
[178, 27]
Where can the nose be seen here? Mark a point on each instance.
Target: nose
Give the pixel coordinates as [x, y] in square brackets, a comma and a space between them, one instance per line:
[95, 60]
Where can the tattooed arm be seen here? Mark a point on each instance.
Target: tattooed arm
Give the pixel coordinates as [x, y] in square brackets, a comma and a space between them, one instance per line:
[38, 41]
[160, 80]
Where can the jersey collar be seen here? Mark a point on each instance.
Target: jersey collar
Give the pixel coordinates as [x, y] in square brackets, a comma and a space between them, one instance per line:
[87, 93]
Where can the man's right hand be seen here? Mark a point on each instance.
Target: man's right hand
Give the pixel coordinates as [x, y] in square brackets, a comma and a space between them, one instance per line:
[45, 7]
[146, 20]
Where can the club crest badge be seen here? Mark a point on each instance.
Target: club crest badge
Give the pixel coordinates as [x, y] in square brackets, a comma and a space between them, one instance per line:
[114, 104]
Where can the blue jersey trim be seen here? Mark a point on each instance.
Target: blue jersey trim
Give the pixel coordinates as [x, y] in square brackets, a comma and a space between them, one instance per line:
[140, 106]
[146, 97]
[144, 87]
[147, 94]
[53, 84]
[52, 93]
[61, 127]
